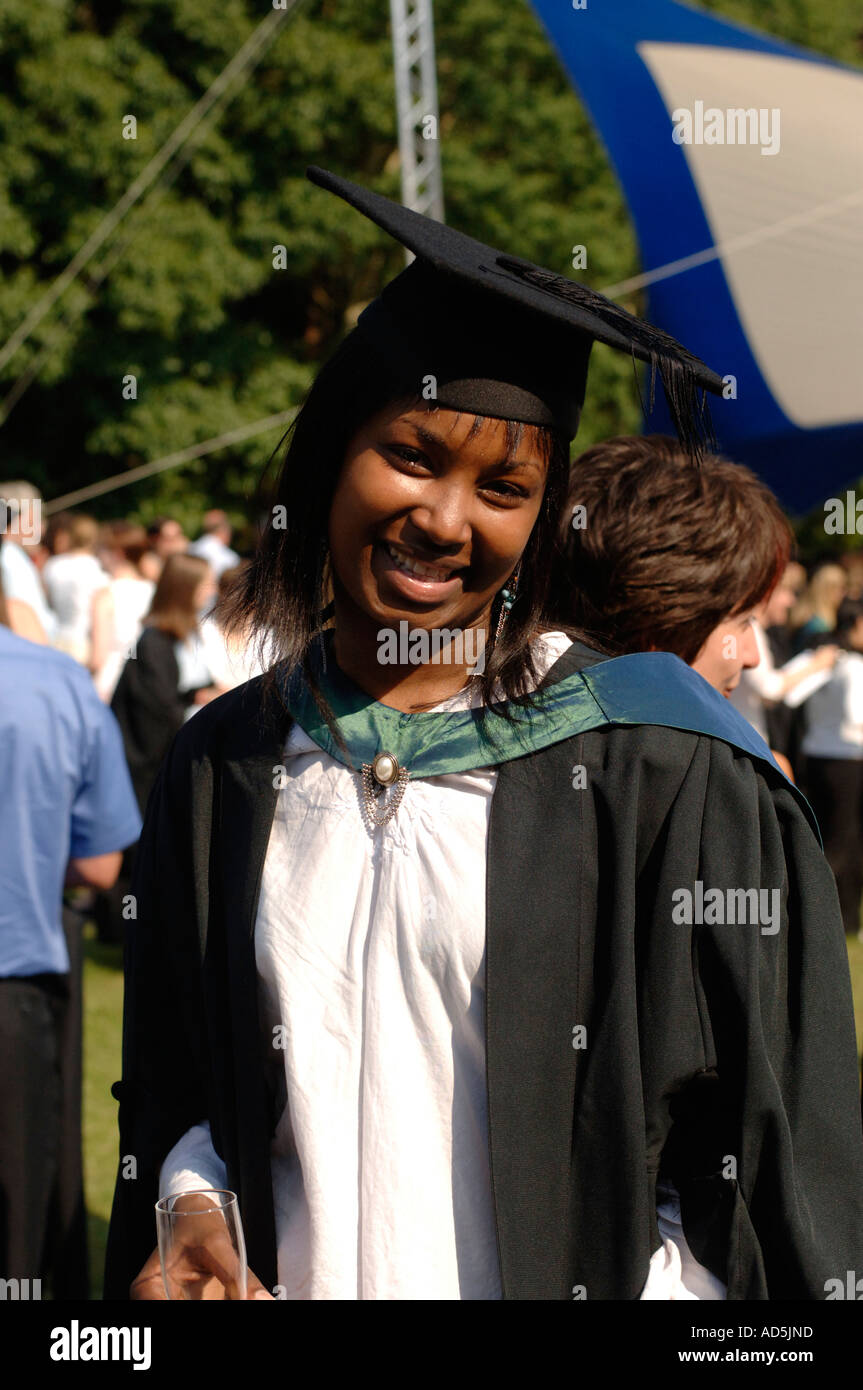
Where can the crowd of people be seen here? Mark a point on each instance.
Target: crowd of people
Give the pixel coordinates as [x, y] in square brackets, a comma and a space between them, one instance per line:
[133, 606]
[109, 642]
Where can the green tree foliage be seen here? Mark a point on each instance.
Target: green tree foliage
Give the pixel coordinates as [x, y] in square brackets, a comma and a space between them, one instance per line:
[191, 303]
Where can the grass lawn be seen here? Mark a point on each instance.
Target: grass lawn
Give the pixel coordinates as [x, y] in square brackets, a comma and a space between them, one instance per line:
[103, 1016]
[103, 1010]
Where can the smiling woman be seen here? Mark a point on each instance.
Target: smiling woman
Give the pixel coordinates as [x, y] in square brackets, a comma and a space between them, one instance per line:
[405, 974]
[454, 491]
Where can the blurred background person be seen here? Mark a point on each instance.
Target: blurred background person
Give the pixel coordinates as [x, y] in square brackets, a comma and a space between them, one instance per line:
[763, 688]
[57, 536]
[165, 537]
[119, 607]
[71, 577]
[786, 596]
[148, 701]
[833, 751]
[784, 723]
[816, 612]
[214, 545]
[66, 812]
[778, 627]
[852, 563]
[231, 659]
[19, 574]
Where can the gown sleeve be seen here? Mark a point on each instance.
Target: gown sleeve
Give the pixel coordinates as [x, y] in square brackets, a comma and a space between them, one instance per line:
[148, 707]
[766, 1149]
[163, 1091]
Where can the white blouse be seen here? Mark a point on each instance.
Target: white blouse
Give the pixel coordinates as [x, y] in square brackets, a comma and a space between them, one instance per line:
[370, 950]
[834, 713]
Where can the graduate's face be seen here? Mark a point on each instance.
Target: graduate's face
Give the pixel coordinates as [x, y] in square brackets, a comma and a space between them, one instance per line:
[430, 516]
[730, 649]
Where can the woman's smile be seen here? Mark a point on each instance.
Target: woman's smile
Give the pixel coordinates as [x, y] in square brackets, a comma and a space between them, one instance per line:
[402, 570]
[430, 516]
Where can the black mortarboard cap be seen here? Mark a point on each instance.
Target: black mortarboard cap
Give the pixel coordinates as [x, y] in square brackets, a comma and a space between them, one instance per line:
[503, 337]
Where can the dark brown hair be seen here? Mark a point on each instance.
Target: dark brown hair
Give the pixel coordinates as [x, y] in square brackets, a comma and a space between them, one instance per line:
[128, 540]
[173, 607]
[231, 578]
[664, 551]
[59, 525]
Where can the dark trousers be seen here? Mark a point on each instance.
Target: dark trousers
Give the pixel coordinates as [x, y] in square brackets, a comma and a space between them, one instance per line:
[67, 1257]
[43, 1220]
[835, 788]
[32, 1018]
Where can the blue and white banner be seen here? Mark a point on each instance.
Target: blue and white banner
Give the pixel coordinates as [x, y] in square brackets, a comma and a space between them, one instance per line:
[741, 159]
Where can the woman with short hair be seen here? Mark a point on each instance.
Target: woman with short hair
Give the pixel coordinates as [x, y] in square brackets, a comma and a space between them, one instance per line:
[659, 556]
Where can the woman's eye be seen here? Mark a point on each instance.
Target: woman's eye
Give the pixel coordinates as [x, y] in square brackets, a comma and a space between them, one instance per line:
[406, 453]
[506, 490]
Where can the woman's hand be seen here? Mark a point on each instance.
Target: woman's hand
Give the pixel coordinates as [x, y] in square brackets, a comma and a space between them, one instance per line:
[824, 658]
[202, 1263]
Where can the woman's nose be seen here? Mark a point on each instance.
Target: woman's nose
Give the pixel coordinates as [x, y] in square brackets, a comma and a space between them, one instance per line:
[442, 515]
[751, 654]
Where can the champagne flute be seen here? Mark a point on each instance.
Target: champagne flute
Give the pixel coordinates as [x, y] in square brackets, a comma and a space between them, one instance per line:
[202, 1249]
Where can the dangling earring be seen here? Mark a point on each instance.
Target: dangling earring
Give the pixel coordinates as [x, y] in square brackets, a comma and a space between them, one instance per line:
[326, 608]
[508, 596]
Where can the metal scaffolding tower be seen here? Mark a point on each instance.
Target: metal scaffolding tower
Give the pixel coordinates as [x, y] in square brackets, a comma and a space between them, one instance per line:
[416, 105]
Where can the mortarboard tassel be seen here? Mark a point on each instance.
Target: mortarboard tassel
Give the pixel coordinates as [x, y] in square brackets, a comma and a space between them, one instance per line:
[687, 407]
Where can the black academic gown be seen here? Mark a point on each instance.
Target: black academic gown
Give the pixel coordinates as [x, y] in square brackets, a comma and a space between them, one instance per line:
[719, 1055]
[148, 707]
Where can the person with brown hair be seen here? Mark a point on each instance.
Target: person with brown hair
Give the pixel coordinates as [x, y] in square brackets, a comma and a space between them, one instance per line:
[150, 702]
[147, 701]
[57, 539]
[165, 537]
[659, 556]
[231, 656]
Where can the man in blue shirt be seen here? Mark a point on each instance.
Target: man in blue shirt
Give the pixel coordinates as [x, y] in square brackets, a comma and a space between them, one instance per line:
[67, 810]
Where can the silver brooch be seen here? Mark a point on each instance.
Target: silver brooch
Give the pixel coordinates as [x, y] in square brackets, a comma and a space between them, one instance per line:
[383, 772]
